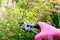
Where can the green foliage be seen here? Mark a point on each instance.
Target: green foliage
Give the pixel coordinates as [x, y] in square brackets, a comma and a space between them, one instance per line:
[34, 12]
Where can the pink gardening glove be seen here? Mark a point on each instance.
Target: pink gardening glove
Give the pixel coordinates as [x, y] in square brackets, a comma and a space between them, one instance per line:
[47, 31]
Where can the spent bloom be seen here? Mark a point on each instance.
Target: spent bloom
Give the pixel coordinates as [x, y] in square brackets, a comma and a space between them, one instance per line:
[49, 12]
[4, 37]
[10, 34]
[31, 3]
[8, 29]
[1, 27]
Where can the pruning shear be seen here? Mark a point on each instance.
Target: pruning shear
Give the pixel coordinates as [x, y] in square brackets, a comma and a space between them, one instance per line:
[29, 27]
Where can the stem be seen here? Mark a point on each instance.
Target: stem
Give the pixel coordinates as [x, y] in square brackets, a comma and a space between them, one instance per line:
[33, 31]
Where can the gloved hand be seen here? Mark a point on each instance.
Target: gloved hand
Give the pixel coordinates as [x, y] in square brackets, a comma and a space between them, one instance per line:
[47, 31]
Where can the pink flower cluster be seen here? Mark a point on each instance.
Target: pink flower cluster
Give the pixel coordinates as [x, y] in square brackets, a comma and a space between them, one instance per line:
[38, 0]
[36, 19]
[49, 22]
[40, 14]
[57, 6]
[31, 3]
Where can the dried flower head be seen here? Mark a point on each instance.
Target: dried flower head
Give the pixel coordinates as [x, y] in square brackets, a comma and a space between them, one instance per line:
[10, 34]
[4, 37]
[12, 29]
[8, 29]
[1, 27]
[49, 12]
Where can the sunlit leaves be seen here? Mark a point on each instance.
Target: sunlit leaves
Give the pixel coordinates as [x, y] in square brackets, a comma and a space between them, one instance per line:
[29, 13]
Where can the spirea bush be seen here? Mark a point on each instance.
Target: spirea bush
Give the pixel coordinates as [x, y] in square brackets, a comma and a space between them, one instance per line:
[31, 11]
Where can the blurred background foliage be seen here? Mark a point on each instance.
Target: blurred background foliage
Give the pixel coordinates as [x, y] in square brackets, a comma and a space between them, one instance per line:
[31, 11]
